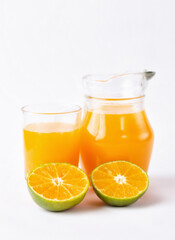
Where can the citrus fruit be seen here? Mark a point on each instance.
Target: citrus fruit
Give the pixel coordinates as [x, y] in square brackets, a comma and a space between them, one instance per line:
[57, 186]
[119, 183]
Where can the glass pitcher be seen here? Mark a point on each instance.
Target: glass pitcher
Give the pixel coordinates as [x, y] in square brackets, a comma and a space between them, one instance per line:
[115, 125]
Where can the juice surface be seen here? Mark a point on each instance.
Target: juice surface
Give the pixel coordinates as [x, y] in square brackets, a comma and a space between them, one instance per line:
[110, 136]
[50, 142]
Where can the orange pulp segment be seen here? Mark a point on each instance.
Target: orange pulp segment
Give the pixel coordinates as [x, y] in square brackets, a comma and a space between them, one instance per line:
[58, 181]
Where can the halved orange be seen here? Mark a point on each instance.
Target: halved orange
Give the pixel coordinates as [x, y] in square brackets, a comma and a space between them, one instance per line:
[119, 183]
[57, 186]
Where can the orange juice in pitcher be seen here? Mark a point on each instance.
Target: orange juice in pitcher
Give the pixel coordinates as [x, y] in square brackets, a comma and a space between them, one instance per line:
[115, 125]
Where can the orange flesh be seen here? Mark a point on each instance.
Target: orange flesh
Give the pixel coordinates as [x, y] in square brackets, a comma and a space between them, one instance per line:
[58, 181]
[109, 136]
[50, 142]
[120, 179]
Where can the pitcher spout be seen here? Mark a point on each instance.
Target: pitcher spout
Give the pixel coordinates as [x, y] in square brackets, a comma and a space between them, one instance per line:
[149, 74]
[117, 86]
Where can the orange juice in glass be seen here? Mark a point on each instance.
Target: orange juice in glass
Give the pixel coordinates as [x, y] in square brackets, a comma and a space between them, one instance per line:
[51, 134]
[115, 125]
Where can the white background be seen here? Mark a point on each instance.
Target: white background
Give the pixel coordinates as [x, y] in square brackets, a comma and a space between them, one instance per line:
[45, 48]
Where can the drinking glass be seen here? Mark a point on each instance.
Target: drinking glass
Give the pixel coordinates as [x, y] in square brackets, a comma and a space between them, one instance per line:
[51, 134]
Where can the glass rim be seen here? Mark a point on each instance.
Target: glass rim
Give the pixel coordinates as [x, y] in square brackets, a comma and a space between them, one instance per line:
[66, 108]
[105, 77]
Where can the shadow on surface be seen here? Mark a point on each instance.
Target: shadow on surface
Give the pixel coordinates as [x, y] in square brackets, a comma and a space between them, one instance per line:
[161, 189]
[90, 202]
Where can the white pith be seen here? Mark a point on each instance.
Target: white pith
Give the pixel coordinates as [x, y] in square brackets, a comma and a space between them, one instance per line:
[57, 181]
[120, 179]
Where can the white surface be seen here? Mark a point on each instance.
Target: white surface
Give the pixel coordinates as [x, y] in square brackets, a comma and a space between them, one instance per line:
[45, 48]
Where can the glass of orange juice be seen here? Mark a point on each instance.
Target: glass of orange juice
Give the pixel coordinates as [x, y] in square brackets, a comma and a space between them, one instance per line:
[51, 134]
